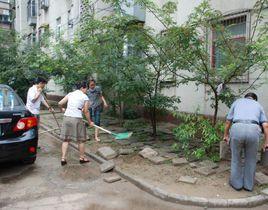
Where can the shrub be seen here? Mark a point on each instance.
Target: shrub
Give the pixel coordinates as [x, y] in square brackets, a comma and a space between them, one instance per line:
[198, 137]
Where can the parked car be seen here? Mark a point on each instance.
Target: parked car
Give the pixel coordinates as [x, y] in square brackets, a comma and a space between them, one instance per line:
[18, 128]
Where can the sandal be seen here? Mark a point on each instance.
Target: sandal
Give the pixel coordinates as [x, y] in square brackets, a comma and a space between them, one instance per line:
[83, 160]
[63, 162]
[97, 139]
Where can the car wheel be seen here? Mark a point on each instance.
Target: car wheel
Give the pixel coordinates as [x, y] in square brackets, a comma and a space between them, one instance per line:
[29, 160]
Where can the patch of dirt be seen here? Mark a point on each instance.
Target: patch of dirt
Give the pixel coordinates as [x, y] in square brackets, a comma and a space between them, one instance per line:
[166, 177]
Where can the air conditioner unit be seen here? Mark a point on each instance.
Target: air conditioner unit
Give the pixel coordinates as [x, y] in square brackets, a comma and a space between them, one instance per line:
[44, 4]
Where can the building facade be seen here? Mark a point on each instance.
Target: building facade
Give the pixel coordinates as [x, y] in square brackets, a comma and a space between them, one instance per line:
[240, 14]
[62, 17]
[6, 14]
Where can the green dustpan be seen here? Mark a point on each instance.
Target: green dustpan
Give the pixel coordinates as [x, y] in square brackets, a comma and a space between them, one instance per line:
[117, 136]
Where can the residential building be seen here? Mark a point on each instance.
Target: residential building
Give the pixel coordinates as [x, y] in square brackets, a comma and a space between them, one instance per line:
[62, 17]
[6, 14]
[240, 14]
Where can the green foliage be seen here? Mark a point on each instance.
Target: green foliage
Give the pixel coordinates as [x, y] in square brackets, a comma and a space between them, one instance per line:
[132, 125]
[19, 64]
[130, 114]
[198, 137]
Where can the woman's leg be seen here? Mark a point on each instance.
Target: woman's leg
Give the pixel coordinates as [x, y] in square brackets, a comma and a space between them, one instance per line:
[64, 148]
[81, 147]
[97, 122]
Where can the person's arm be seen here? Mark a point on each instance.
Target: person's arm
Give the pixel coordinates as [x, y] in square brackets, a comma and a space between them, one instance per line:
[104, 101]
[62, 102]
[265, 130]
[33, 96]
[226, 137]
[46, 104]
[228, 123]
[86, 113]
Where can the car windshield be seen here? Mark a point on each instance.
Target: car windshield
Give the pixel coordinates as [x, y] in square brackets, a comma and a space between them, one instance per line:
[9, 99]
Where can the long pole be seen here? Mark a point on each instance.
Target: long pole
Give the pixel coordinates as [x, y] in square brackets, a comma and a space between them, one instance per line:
[52, 112]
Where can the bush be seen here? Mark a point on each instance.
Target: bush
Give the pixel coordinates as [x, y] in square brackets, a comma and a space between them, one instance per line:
[198, 137]
[134, 124]
[130, 114]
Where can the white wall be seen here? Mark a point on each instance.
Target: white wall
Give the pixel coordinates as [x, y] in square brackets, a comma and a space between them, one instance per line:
[193, 97]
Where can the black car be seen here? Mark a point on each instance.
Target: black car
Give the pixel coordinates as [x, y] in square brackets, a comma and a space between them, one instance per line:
[18, 128]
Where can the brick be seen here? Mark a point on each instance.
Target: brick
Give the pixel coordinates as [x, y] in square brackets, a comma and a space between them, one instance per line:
[188, 179]
[179, 161]
[112, 179]
[107, 153]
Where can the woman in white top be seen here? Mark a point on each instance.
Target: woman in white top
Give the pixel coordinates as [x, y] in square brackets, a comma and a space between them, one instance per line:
[73, 127]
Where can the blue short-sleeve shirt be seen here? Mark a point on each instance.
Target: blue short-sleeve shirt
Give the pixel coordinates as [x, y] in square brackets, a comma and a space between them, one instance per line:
[247, 109]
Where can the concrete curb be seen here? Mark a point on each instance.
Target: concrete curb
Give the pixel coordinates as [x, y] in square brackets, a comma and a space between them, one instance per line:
[247, 202]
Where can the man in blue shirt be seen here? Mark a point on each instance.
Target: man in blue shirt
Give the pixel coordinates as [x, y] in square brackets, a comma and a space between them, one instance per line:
[245, 118]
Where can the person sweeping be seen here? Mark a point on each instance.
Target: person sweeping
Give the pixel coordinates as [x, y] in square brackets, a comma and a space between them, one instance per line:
[73, 127]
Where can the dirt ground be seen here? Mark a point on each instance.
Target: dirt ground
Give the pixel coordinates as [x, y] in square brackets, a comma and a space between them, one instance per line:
[166, 176]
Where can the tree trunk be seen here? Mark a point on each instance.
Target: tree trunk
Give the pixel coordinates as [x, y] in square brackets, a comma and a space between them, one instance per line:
[216, 108]
[153, 121]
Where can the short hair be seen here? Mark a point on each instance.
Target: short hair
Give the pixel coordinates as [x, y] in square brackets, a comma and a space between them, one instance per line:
[252, 95]
[82, 84]
[92, 80]
[41, 80]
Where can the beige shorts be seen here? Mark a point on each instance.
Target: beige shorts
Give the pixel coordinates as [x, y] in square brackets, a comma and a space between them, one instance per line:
[73, 129]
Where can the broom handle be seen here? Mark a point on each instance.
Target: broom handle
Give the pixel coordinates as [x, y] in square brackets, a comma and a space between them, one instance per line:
[52, 111]
[107, 131]
[103, 129]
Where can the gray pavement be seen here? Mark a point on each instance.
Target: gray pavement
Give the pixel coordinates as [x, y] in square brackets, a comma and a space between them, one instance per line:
[48, 185]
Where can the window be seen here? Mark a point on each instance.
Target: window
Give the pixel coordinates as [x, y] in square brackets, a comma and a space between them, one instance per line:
[4, 19]
[70, 25]
[58, 28]
[31, 8]
[237, 28]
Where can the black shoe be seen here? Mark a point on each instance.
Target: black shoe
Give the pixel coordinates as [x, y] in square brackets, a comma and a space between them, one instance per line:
[247, 189]
[63, 162]
[237, 189]
[82, 161]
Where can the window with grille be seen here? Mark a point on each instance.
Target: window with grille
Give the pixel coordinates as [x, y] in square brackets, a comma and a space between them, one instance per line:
[58, 28]
[237, 28]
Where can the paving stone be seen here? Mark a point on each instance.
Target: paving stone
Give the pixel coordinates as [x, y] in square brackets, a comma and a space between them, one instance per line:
[261, 178]
[169, 156]
[209, 164]
[107, 153]
[193, 165]
[205, 171]
[265, 191]
[150, 143]
[107, 166]
[112, 179]
[179, 161]
[148, 152]
[225, 151]
[125, 151]
[223, 169]
[137, 144]
[188, 179]
[107, 140]
[157, 159]
[123, 142]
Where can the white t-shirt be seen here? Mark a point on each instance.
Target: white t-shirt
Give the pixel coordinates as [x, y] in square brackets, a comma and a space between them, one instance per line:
[76, 101]
[33, 107]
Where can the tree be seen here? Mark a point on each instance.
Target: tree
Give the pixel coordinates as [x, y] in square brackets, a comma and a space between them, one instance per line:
[128, 57]
[21, 64]
[238, 57]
